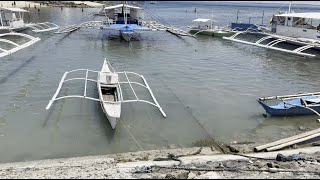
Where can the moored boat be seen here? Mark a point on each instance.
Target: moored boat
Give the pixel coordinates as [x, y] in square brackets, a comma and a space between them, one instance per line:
[109, 90]
[292, 105]
[209, 30]
[109, 94]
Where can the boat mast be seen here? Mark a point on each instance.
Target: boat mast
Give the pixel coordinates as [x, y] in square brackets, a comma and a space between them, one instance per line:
[289, 11]
[124, 13]
[1, 17]
[211, 19]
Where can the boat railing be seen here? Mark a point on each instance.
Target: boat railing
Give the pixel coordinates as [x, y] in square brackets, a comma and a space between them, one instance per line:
[271, 45]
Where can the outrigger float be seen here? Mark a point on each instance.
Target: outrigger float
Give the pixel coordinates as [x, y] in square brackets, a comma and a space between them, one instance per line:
[109, 90]
[292, 105]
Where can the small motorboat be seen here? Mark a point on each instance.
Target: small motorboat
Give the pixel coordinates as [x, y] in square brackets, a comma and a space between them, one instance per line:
[109, 90]
[292, 105]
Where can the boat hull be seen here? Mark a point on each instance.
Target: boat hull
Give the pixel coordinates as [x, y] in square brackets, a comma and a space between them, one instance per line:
[290, 111]
[211, 32]
[109, 95]
[126, 35]
[113, 119]
[8, 29]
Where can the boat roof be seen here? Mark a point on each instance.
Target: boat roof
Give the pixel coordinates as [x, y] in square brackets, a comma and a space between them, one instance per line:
[121, 5]
[309, 15]
[13, 9]
[201, 20]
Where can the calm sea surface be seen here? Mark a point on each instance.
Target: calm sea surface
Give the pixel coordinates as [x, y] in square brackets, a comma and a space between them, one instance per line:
[203, 80]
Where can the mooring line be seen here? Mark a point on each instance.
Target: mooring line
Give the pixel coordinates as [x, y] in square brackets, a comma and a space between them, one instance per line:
[223, 150]
[132, 136]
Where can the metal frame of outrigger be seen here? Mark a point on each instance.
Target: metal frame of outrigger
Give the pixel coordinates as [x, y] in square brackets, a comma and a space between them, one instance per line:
[43, 27]
[145, 85]
[277, 39]
[16, 47]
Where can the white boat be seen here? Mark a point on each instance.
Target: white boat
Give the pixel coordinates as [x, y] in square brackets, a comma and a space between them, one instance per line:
[301, 29]
[124, 18]
[109, 94]
[11, 19]
[109, 90]
[203, 28]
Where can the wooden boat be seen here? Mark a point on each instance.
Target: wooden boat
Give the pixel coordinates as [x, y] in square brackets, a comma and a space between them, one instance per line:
[109, 90]
[292, 105]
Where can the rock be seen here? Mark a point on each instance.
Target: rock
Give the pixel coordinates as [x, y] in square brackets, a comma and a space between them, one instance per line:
[191, 175]
[206, 151]
[270, 165]
[295, 146]
[169, 176]
[273, 170]
[209, 175]
[315, 144]
[182, 175]
[301, 128]
[145, 176]
[259, 164]
[232, 149]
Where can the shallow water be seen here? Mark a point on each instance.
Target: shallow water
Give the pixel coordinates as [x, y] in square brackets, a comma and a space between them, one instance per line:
[205, 80]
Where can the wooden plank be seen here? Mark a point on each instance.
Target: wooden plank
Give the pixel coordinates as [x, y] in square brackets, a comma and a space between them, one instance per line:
[281, 141]
[292, 142]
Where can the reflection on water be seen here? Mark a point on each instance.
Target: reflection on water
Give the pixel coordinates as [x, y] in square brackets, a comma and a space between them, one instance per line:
[206, 80]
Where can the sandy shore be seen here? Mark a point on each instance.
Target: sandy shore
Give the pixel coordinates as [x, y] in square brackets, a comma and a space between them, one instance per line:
[195, 163]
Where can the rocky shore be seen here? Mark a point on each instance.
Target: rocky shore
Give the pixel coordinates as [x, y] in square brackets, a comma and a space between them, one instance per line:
[191, 163]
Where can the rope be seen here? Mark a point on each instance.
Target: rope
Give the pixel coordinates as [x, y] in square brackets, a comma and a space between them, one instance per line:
[195, 119]
[132, 136]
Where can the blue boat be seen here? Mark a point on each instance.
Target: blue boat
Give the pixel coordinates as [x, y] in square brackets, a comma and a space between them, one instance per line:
[292, 105]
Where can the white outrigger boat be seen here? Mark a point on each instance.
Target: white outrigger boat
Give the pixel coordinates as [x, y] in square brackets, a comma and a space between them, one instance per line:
[11, 19]
[125, 19]
[302, 29]
[209, 30]
[109, 90]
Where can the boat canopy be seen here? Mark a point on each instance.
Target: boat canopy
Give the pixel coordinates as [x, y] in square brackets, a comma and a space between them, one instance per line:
[201, 20]
[308, 15]
[121, 5]
[13, 9]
